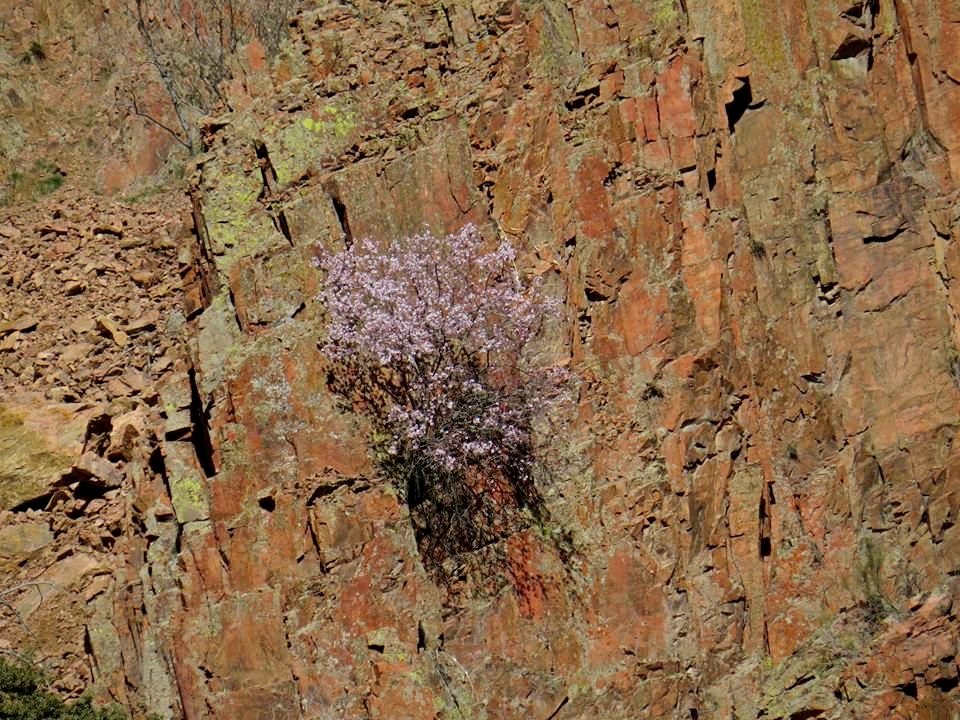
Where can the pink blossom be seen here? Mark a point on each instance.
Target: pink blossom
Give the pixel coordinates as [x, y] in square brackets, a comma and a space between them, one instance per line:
[429, 336]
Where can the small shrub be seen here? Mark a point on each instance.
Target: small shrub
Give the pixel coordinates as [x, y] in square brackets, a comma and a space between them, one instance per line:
[876, 605]
[909, 581]
[16, 179]
[24, 696]
[652, 392]
[42, 179]
[193, 48]
[428, 335]
[48, 177]
[33, 54]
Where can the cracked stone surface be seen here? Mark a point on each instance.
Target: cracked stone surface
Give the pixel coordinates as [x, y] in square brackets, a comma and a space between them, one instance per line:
[751, 216]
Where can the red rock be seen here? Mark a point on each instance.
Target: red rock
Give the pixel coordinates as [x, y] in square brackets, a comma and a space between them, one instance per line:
[752, 221]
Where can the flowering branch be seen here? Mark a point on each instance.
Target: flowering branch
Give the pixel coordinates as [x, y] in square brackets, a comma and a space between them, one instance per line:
[429, 335]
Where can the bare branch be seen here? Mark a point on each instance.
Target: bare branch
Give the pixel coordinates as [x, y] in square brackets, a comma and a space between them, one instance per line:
[17, 588]
[30, 583]
[134, 107]
[156, 60]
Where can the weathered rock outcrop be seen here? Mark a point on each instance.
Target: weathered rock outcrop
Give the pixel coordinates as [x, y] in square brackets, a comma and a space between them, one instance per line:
[751, 214]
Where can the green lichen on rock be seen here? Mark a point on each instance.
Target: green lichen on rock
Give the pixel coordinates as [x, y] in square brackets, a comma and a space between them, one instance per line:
[459, 699]
[333, 121]
[188, 488]
[189, 497]
[230, 193]
[237, 224]
[805, 682]
[764, 36]
[296, 148]
[665, 14]
[887, 17]
[559, 55]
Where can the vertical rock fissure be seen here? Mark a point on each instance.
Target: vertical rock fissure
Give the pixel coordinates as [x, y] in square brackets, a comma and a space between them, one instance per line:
[739, 104]
[765, 541]
[903, 21]
[200, 433]
[269, 175]
[203, 271]
[341, 210]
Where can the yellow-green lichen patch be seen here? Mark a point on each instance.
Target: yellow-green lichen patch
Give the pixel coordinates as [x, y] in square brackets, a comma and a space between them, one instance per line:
[230, 193]
[189, 497]
[188, 488]
[887, 17]
[103, 638]
[558, 56]
[459, 696]
[298, 147]
[807, 679]
[237, 224]
[764, 37]
[333, 121]
[665, 14]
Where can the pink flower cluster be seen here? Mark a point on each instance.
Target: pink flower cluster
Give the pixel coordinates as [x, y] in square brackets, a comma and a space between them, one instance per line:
[431, 332]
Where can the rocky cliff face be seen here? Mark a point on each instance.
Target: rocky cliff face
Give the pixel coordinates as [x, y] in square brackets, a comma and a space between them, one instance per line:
[751, 215]
[65, 66]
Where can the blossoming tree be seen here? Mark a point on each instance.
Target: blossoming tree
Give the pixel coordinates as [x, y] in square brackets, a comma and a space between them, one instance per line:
[428, 335]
